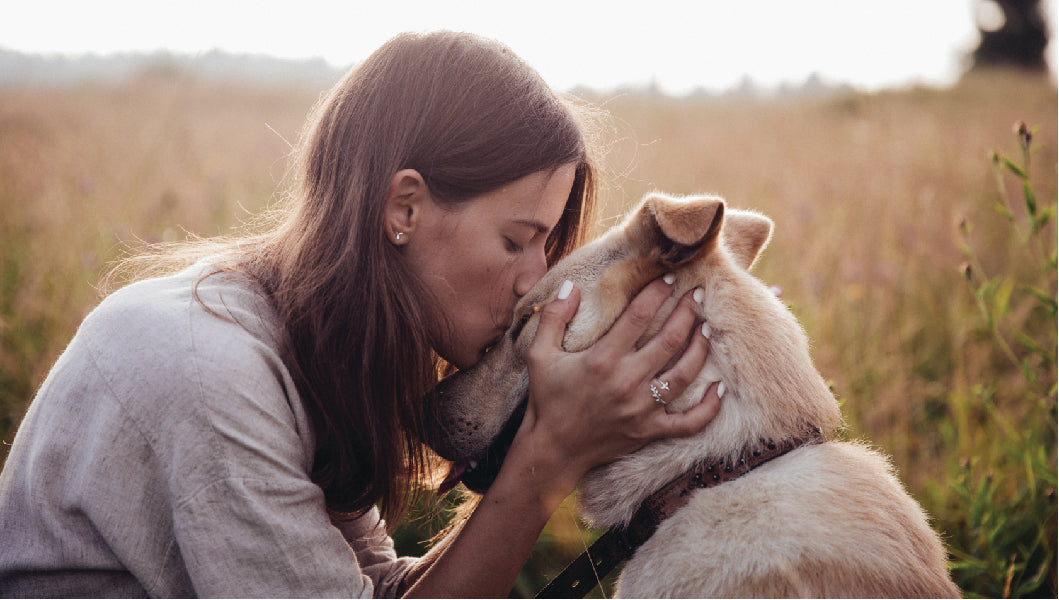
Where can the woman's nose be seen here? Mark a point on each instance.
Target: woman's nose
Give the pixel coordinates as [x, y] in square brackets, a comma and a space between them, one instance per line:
[534, 268]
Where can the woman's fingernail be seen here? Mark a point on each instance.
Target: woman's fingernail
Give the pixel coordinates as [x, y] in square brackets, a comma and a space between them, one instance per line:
[565, 289]
[720, 389]
[698, 295]
[706, 330]
[669, 278]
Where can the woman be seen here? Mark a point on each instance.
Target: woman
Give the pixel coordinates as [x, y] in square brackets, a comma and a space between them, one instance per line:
[230, 429]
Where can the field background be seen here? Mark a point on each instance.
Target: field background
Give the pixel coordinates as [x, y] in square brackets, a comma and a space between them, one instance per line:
[881, 201]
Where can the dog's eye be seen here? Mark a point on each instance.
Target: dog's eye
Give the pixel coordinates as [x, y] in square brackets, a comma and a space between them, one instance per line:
[517, 329]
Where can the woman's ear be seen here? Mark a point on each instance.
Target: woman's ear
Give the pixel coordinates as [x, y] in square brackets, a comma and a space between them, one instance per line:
[405, 200]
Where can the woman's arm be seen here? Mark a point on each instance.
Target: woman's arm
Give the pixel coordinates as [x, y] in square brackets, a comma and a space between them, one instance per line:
[585, 409]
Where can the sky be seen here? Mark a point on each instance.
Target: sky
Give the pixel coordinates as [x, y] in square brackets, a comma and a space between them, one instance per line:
[677, 45]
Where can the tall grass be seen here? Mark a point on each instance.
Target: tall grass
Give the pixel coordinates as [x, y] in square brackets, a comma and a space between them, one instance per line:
[87, 173]
[879, 201]
[1000, 509]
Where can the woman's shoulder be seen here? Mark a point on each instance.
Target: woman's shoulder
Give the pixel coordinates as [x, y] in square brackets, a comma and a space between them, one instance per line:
[165, 310]
[181, 328]
[197, 351]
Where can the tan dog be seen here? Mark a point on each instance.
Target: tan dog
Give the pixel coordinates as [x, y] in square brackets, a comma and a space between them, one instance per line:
[828, 519]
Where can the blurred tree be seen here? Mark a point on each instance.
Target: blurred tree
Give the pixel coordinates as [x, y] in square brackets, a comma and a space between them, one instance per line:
[1014, 34]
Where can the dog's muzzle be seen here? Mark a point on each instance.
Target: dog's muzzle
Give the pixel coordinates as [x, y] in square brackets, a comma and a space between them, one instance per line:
[479, 474]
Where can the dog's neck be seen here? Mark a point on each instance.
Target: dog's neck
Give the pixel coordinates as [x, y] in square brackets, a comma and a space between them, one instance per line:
[620, 542]
[664, 502]
[773, 394]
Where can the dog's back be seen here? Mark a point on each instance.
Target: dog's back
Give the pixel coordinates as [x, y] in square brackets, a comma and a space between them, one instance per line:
[827, 520]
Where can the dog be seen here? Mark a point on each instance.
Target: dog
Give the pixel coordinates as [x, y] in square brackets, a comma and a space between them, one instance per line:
[824, 519]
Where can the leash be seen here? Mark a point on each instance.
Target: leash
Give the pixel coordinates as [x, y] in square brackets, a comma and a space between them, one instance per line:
[618, 544]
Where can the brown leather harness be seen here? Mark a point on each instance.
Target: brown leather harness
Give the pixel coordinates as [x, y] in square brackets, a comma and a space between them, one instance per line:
[618, 544]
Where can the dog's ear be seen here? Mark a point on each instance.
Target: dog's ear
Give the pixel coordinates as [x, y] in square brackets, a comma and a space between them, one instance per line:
[746, 234]
[683, 227]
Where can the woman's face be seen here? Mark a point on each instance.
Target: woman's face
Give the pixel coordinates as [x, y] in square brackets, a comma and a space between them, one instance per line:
[480, 258]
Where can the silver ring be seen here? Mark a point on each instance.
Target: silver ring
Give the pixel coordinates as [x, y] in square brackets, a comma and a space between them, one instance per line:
[656, 391]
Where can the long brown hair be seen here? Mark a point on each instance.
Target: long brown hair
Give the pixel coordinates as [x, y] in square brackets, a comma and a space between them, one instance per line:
[470, 116]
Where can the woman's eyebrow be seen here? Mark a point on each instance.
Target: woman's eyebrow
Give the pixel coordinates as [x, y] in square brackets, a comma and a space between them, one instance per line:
[540, 227]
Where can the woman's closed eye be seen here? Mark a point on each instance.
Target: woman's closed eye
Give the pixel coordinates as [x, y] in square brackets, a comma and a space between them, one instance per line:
[513, 246]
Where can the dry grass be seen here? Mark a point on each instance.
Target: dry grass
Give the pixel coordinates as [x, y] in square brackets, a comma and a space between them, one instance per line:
[87, 171]
[866, 192]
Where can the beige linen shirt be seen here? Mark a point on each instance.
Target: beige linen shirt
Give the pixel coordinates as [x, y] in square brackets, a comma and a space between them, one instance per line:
[168, 454]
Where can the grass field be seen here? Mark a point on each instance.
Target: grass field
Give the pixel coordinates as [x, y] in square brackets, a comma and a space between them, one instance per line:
[922, 268]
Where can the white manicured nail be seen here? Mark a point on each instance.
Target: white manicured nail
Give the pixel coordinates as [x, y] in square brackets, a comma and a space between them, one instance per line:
[720, 389]
[564, 291]
[698, 295]
[669, 278]
[706, 330]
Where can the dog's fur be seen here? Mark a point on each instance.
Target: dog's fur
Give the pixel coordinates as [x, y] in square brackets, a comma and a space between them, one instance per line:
[823, 520]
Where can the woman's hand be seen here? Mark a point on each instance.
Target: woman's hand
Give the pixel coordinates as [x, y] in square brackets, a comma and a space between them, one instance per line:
[591, 407]
[586, 409]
